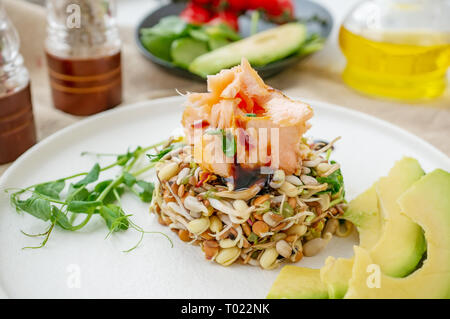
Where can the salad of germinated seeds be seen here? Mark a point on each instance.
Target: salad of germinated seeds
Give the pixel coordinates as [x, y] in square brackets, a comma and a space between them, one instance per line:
[278, 219]
[253, 213]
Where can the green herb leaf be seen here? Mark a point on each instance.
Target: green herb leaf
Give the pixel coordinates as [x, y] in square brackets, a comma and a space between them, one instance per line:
[83, 207]
[78, 194]
[91, 177]
[35, 206]
[287, 210]
[198, 34]
[157, 157]
[335, 181]
[147, 191]
[114, 217]
[229, 145]
[312, 44]
[170, 26]
[110, 197]
[100, 187]
[129, 179]
[253, 238]
[223, 30]
[124, 158]
[217, 131]
[51, 189]
[60, 218]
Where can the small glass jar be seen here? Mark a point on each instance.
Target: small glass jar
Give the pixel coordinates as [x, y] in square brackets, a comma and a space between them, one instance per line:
[17, 127]
[397, 49]
[83, 50]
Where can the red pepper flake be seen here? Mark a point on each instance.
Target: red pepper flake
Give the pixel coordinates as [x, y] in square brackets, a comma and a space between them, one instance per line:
[246, 103]
[204, 177]
[258, 109]
[200, 124]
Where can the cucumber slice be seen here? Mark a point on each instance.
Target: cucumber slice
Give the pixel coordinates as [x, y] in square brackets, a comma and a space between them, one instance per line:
[260, 49]
[217, 42]
[159, 46]
[185, 50]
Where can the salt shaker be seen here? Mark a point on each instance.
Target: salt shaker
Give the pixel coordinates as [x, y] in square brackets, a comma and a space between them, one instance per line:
[17, 127]
[83, 50]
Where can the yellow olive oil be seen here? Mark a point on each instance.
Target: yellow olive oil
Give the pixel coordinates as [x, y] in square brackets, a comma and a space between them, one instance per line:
[400, 65]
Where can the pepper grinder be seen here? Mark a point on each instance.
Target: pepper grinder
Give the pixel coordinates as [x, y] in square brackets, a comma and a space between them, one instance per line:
[17, 127]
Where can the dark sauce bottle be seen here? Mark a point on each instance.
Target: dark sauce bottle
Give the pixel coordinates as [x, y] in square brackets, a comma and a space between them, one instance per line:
[17, 128]
[83, 51]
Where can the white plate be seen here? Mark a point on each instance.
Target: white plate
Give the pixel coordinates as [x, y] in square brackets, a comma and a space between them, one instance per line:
[367, 150]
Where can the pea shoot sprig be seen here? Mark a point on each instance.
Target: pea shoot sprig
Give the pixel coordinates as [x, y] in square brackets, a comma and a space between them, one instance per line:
[91, 195]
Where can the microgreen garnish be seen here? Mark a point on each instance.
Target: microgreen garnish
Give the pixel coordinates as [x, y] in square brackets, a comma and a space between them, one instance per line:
[90, 195]
[335, 181]
[228, 141]
[229, 145]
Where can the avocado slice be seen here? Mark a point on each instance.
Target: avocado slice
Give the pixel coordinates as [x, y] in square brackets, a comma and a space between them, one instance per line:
[336, 274]
[364, 212]
[298, 283]
[427, 203]
[397, 243]
[402, 244]
[259, 49]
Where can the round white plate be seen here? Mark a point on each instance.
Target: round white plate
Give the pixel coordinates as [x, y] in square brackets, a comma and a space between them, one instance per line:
[86, 265]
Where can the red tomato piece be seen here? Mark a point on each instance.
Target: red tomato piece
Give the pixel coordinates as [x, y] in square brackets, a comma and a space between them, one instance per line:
[195, 14]
[226, 17]
[237, 5]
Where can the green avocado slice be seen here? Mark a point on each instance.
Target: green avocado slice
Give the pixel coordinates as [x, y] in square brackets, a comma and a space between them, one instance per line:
[402, 244]
[364, 214]
[372, 223]
[394, 241]
[298, 283]
[427, 203]
[259, 49]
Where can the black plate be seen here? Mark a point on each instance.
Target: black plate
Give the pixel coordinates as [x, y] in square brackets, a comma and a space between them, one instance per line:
[317, 19]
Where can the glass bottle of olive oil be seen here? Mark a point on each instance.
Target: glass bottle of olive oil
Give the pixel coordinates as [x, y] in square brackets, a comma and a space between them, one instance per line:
[397, 49]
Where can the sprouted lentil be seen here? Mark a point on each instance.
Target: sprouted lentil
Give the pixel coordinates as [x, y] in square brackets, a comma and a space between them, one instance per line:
[264, 225]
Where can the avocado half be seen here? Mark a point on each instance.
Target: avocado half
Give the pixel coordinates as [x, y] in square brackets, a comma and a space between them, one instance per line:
[260, 49]
[403, 232]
